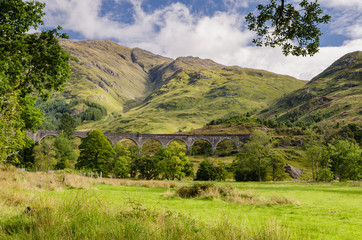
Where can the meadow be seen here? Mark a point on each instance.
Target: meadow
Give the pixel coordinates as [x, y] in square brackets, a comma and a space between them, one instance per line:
[67, 206]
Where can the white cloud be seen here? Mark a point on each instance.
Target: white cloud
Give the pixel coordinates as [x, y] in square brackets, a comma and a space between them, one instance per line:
[342, 3]
[174, 31]
[347, 22]
[234, 4]
[301, 67]
[79, 16]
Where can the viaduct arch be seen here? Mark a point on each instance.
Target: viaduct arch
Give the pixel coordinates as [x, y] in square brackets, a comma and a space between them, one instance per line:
[164, 139]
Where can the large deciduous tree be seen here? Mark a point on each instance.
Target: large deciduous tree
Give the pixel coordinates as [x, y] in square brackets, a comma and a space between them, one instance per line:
[258, 150]
[314, 154]
[65, 153]
[31, 65]
[346, 160]
[126, 159]
[44, 155]
[293, 27]
[173, 163]
[96, 153]
[318, 155]
[277, 164]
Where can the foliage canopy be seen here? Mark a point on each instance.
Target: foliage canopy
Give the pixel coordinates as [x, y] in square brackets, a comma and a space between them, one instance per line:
[31, 64]
[294, 28]
[96, 153]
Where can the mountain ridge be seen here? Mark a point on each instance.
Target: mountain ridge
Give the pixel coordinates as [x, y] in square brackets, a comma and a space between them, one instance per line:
[149, 93]
[335, 95]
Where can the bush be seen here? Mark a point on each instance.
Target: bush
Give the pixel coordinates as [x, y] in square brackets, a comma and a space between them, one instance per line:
[207, 171]
[209, 190]
[229, 194]
[195, 190]
[121, 169]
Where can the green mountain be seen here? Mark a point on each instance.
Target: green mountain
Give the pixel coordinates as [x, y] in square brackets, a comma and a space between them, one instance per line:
[109, 74]
[333, 96]
[194, 96]
[138, 91]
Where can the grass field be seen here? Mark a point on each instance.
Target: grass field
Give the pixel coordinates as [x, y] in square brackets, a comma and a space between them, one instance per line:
[63, 206]
[323, 211]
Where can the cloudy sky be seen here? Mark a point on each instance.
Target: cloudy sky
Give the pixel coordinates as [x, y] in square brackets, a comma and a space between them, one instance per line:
[213, 29]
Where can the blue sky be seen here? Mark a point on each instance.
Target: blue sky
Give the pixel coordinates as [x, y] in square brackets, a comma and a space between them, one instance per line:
[213, 29]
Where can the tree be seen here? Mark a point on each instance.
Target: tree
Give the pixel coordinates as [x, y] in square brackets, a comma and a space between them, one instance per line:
[314, 154]
[121, 167]
[30, 65]
[318, 155]
[25, 155]
[65, 153]
[148, 167]
[124, 160]
[351, 131]
[96, 153]
[12, 137]
[277, 164]
[346, 160]
[44, 155]
[207, 171]
[173, 162]
[246, 169]
[325, 173]
[67, 124]
[257, 150]
[294, 28]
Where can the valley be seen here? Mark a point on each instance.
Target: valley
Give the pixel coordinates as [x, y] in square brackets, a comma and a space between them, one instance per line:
[104, 141]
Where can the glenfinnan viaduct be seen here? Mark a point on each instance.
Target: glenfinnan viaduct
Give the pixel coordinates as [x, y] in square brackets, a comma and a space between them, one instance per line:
[164, 139]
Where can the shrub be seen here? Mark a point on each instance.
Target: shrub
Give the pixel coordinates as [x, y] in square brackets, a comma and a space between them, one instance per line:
[195, 190]
[207, 171]
[229, 194]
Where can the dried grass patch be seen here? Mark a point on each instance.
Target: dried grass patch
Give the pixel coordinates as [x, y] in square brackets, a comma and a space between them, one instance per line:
[16, 179]
[227, 193]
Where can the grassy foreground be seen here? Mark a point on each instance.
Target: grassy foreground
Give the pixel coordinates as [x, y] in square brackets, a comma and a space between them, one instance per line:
[65, 206]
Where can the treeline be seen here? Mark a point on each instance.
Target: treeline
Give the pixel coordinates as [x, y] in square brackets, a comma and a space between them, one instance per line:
[260, 159]
[235, 118]
[350, 131]
[80, 110]
[96, 154]
[336, 155]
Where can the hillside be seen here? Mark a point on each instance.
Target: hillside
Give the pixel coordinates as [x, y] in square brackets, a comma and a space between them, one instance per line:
[193, 97]
[108, 74]
[144, 92]
[333, 96]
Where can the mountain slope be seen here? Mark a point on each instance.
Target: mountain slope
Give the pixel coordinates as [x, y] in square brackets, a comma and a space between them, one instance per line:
[192, 97]
[334, 95]
[144, 92]
[105, 74]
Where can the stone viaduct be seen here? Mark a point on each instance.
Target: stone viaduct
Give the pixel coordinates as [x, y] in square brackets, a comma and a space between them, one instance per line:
[164, 139]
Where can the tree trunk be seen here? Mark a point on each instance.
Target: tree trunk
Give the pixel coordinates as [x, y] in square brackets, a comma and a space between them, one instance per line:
[259, 169]
[273, 173]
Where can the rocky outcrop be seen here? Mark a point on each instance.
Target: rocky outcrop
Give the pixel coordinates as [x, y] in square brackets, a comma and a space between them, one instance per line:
[292, 171]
